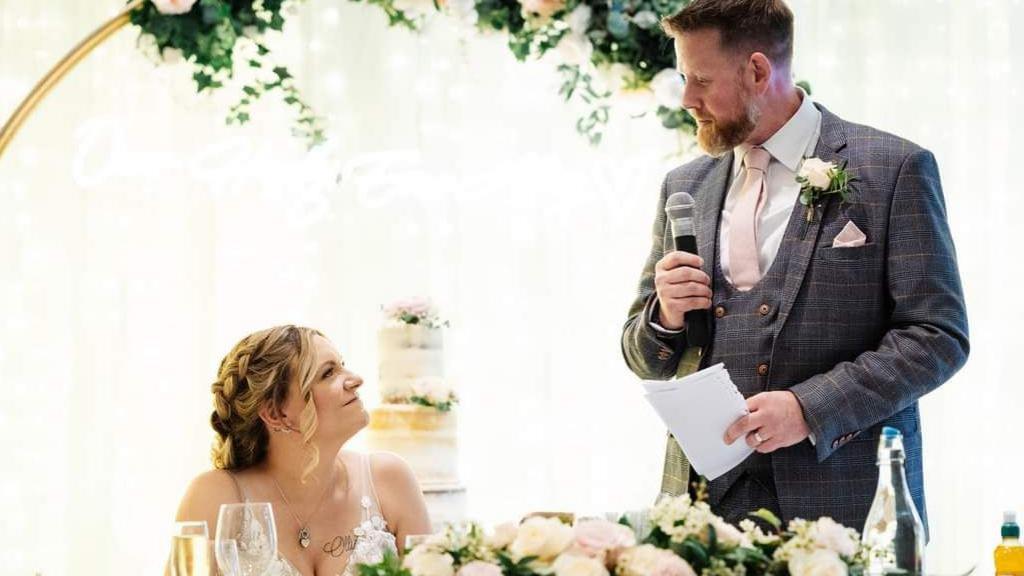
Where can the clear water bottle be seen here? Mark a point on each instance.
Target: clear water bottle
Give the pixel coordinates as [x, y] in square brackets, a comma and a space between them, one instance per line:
[893, 534]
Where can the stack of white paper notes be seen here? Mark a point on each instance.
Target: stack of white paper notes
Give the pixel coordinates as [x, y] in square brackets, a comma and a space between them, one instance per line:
[698, 409]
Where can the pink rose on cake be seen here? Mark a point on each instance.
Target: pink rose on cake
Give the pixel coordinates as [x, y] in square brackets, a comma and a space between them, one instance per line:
[414, 311]
[433, 393]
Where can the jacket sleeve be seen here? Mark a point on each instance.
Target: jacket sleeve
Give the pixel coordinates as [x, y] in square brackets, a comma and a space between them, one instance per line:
[927, 339]
[648, 353]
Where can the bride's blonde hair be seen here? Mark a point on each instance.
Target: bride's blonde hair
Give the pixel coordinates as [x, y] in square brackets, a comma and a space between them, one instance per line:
[256, 373]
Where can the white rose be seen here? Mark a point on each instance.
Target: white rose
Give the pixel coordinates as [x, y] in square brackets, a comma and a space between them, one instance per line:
[433, 389]
[636, 101]
[575, 49]
[544, 538]
[579, 19]
[614, 77]
[820, 562]
[638, 561]
[727, 534]
[816, 172]
[464, 11]
[647, 560]
[479, 568]
[667, 86]
[827, 533]
[572, 565]
[504, 535]
[173, 6]
[423, 563]
[172, 55]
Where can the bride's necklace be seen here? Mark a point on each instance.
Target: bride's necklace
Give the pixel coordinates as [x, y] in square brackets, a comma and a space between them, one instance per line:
[304, 537]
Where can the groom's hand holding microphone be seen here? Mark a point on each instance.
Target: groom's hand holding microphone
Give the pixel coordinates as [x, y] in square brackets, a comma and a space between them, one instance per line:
[684, 290]
[681, 287]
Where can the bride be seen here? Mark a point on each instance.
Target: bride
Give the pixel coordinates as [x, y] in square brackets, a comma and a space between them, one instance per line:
[284, 407]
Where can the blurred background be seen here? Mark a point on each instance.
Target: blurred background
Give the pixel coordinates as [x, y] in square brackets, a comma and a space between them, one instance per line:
[140, 238]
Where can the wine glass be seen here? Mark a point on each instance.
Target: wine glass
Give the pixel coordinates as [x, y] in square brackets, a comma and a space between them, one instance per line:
[251, 526]
[226, 553]
[190, 554]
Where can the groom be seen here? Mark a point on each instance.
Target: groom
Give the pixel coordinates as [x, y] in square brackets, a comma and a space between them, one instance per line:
[832, 319]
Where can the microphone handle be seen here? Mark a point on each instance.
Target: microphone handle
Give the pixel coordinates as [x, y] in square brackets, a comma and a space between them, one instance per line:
[698, 332]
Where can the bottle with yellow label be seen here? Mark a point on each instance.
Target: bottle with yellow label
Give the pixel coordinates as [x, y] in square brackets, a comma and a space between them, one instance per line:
[1009, 555]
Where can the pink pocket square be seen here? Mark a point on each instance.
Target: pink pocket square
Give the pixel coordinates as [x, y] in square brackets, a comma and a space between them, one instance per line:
[850, 237]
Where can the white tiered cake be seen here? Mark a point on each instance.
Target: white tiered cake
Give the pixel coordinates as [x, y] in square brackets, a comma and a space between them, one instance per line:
[416, 420]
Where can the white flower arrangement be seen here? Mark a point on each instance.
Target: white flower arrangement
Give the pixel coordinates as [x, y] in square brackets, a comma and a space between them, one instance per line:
[686, 539]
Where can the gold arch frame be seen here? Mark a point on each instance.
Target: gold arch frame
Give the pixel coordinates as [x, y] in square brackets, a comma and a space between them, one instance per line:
[58, 72]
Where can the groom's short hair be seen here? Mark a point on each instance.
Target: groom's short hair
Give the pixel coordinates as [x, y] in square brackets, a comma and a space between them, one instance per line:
[764, 26]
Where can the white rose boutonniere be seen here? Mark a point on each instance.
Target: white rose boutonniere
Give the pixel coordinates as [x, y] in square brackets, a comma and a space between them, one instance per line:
[819, 179]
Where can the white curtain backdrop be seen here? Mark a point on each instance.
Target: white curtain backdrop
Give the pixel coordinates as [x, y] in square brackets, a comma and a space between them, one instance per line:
[140, 238]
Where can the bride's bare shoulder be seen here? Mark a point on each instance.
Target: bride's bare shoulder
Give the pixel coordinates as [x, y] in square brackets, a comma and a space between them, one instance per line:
[205, 494]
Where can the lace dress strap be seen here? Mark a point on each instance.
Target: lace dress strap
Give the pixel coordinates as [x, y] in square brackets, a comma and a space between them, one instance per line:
[238, 488]
[373, 539]
[369, 500]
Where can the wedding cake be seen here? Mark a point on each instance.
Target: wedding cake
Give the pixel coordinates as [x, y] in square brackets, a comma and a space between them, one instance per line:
[416, 419]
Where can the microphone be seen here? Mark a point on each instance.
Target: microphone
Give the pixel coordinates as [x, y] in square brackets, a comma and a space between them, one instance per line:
[679, 209]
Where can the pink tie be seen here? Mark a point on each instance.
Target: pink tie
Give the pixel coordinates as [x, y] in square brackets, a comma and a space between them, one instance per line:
[743, 251]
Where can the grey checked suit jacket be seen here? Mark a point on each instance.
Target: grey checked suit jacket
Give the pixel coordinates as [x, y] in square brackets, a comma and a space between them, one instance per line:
[862, 332]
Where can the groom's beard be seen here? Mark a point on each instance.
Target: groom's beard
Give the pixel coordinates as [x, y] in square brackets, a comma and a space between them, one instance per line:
[720, 136]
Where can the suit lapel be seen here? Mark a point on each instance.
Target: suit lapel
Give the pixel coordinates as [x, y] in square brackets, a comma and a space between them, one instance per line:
[710, 200]
[831, 142]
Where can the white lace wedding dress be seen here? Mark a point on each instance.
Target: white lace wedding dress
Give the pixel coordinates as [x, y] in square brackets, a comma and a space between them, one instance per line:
[372, 538]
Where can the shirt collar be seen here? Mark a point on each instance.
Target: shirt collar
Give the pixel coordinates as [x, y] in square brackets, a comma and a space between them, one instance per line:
[797, 137]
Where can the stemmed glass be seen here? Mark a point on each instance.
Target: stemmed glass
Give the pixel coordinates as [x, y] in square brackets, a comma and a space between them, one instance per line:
[250, 525]
[190, 554]
[226, 553]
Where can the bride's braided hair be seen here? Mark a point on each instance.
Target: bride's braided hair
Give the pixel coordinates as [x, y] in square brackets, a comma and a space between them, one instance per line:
[256, 373]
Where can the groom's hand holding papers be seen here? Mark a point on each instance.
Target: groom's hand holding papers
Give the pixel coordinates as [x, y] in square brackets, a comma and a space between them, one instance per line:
[681, 286]
[775, 421]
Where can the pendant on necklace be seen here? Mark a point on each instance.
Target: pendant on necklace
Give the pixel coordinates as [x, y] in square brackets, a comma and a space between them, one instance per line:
[304, 539]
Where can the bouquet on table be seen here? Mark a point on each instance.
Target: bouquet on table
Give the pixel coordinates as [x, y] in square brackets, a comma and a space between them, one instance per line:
[685, 539]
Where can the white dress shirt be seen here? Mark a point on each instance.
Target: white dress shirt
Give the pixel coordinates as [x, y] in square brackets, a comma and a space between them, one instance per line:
[790, 144]
[795, 141]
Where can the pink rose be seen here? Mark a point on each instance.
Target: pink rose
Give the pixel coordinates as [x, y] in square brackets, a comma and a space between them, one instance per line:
[603, 539]
[542, 8]
[173, 6]
[478, 568]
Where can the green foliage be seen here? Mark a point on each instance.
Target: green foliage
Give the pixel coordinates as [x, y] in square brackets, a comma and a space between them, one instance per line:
[769, 517]
[839, 185]
[396, 17]
[510, 567]
[207, 37]
[389, 566]
[445, 406]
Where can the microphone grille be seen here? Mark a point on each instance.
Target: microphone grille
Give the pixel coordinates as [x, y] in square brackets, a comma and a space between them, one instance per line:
[679, 205]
